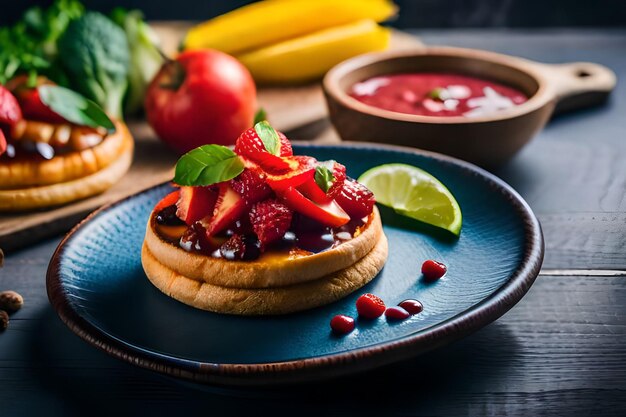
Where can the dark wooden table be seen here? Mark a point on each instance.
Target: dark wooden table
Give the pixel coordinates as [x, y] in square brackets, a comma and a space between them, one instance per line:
[560, 351]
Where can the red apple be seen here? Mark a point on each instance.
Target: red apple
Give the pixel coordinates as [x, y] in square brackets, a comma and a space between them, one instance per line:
[204, 96]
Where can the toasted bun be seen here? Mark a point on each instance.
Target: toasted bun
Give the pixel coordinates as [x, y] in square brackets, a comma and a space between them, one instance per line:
[20, 174]
[64, 192]
[266, 271]
[265, 301]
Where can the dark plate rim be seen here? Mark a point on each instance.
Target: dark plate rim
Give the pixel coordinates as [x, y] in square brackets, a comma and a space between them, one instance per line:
[317, 368]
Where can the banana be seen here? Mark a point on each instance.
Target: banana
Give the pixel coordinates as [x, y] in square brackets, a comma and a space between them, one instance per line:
[309, 57]
[273, 21]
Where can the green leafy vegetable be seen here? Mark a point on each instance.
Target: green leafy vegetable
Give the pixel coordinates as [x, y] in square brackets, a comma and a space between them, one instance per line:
[260, 116]
[324, 177]
[206, 165]
[74, 108]
[268, 136]
[145, 57]
[95, 53]
[29, 46]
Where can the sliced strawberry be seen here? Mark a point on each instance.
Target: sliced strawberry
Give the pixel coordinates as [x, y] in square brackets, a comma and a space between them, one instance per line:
[195, 203]
[270, 220]
[356, 199]
[249, 145]
[251, 185]
[301, 169]
[10, 112]
[168, 200]
[312, 190]
[330, 214]
[228, 208]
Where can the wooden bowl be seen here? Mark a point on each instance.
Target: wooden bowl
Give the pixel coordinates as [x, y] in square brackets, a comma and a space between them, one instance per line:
[489, 140]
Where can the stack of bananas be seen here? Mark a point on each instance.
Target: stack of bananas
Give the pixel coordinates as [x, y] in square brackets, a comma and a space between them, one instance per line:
[295, 41]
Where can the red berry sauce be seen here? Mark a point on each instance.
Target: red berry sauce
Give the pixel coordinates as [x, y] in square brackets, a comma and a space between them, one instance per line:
[433, 270]
[437, 94]
[370, 306]
[341, 324]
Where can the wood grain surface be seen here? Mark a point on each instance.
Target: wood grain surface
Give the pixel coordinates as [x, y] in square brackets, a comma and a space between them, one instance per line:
[288, 108]
[560, 352]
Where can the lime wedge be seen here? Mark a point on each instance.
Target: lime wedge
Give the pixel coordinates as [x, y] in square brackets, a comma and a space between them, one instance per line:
[414, 193]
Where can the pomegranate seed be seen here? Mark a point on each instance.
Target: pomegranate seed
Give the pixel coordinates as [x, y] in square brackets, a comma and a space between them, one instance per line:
[412, 306]
[396, 313]
[433, 270]
[341, 324]
[370, 306]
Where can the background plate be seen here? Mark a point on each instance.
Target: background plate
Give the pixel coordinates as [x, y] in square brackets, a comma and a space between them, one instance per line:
[97, 285]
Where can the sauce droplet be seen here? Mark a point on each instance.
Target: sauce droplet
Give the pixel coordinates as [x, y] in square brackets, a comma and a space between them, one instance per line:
[433, 270]
[396, 313]
[412, 306]
[341, 324]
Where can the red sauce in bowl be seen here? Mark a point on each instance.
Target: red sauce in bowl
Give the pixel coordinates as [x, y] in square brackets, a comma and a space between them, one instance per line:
[437, 94]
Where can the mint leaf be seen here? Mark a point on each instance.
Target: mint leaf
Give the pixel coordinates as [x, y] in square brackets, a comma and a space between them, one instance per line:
[269, 137]
[74, 108]
[260, 116]
[324, 177]
[206, 165]
[438, 94]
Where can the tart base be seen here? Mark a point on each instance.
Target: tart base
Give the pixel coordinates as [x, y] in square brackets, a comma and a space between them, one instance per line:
[264, 272]
[30, 198]
[265, 301]
[20, 174]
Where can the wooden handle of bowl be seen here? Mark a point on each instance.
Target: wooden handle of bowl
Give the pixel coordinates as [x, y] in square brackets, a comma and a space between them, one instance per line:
[578, 84]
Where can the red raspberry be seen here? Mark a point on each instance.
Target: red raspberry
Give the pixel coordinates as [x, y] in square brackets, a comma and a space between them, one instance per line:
[10, 111]
[341, 324]
[370, 306]
[396, 313]
[249, 145]
[251, 186]
[433, 270]
[356, 199]
[339, 175]
[270, 220]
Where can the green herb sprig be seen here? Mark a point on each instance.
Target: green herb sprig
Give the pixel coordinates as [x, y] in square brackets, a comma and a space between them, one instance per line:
[269, 137]
[207, 165]
[74, 108]
[324, 177]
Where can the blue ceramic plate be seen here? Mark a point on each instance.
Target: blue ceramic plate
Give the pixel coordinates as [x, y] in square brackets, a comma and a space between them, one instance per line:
[97, 285]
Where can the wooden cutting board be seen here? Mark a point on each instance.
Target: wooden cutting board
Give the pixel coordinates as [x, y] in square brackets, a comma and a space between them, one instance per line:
[299, 111]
